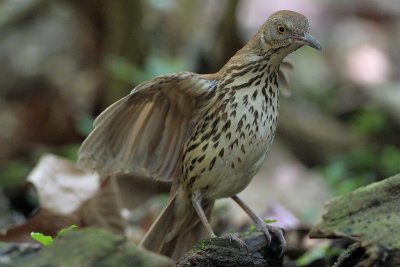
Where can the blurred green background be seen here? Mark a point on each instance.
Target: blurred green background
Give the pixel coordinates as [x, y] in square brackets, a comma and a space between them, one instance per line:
[63, 62]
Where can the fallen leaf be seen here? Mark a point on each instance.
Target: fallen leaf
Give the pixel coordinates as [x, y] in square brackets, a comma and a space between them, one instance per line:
[61, 186]
[45, 240]
[66, 230]
[44, 222]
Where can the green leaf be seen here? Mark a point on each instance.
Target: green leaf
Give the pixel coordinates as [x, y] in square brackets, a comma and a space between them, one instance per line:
[45, 240]
[65, 230]
[252, 228]
[270, 221]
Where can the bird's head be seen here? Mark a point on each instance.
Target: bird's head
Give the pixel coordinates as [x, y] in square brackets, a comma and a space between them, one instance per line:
[286, 31]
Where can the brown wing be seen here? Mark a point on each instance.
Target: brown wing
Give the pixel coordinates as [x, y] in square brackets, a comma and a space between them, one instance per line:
[144, 132]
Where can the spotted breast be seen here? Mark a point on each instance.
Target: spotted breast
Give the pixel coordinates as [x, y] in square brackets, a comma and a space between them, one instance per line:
[231, 141]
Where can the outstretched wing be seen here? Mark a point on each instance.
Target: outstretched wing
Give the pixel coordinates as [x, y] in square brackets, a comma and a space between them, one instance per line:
[144, 132]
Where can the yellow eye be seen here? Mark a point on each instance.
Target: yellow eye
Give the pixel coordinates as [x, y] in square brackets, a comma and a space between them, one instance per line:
[281, 29]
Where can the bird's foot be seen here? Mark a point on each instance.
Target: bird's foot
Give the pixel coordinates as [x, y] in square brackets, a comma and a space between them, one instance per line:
[268, 229]
[234, 238]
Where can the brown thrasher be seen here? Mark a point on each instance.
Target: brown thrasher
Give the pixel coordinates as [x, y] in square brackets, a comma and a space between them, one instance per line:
[208, 134]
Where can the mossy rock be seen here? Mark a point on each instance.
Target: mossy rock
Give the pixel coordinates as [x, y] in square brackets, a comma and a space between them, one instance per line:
[87, 247]
[369, 215]
[221, 251]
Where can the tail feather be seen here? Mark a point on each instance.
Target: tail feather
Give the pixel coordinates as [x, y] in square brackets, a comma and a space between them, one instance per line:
[155, 236]
[177, 229]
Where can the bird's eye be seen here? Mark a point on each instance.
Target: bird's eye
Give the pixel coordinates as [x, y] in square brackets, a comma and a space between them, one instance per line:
[281, 29]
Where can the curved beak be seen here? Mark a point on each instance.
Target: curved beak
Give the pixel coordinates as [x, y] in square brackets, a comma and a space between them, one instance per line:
[308, 39]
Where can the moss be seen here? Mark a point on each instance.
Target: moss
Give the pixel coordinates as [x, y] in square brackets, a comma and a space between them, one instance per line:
[200, 245]
[91, 247]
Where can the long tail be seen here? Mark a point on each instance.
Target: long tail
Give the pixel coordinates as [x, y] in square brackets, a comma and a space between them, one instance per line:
[177, 228]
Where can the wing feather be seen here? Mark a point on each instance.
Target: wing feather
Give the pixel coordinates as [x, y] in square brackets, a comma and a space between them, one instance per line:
[172, 148]
[144, 132]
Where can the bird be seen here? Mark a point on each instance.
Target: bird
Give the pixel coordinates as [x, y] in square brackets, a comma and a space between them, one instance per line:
[207, 134]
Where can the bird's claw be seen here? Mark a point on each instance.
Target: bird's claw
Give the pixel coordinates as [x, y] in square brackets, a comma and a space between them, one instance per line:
[262, 227]
[278, 232]
[234, 238]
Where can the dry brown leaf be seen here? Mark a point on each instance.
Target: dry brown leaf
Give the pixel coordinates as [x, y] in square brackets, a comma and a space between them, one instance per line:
[44, 222]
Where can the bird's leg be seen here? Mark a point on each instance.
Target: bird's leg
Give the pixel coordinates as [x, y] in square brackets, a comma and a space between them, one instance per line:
[261, 225]
[196, 200]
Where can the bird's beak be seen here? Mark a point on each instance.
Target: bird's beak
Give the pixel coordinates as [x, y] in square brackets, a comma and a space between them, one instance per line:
[308, 39]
